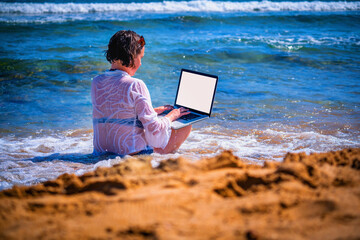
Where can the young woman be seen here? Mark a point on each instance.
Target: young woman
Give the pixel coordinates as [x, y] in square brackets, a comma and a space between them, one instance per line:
[124, 119]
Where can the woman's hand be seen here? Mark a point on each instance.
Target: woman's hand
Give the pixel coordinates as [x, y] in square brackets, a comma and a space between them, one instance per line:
[176, 113]
[160, 110]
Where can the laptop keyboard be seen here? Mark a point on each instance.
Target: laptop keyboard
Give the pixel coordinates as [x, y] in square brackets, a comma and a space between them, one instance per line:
[189, 116]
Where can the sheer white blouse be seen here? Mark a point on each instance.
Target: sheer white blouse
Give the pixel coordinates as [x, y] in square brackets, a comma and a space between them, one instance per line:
[124, 120]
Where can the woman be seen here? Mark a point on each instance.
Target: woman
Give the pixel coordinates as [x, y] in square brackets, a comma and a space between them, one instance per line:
[124, 120]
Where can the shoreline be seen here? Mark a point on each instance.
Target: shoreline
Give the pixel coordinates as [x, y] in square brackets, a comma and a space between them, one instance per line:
[313, 196]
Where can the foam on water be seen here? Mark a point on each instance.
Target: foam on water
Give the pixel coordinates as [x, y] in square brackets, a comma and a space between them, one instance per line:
[292, 43]
[269, 144]
[297, 43]
[31, 160]
[50, 12]
[18, 148]
[181, 6]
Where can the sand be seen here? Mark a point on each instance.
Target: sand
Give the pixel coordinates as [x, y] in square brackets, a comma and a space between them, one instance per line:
[313, 196]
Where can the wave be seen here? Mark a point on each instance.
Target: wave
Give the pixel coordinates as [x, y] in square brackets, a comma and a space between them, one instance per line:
[34, 159]
[174, 7]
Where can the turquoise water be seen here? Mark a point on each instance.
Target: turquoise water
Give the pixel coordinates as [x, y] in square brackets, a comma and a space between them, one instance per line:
[288, 77]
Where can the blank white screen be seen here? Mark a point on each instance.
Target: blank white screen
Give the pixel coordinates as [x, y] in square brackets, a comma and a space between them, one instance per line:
[196, 91]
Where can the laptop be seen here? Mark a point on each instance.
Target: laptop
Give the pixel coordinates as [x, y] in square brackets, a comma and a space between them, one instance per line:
[196, 92]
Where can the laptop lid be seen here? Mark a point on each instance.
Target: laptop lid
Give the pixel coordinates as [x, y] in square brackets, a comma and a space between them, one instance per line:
[196, 91]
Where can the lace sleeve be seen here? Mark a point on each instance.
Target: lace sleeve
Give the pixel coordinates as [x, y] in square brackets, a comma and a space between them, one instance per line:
[157, 130]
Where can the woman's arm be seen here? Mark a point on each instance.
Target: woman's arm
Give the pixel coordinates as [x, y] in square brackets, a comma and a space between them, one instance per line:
[157, 130]
[174, 114]
[160, 110]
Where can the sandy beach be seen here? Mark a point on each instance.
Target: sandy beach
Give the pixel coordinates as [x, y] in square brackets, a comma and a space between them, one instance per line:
[313, 196]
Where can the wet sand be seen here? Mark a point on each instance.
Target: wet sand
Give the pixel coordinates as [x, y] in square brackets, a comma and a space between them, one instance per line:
[304, 197]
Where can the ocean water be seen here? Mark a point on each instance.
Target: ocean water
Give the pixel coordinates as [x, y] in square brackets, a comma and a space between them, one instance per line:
[289, 77]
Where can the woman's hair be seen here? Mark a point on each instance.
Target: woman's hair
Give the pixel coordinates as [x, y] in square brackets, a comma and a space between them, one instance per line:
[124, 46]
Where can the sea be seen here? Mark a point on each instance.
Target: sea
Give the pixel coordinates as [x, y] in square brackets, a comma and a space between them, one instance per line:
[289, 77]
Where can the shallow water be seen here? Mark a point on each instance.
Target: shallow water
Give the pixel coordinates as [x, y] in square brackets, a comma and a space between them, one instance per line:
[288, 77]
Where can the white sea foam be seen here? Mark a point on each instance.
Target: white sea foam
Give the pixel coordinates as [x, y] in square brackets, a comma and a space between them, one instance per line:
[31, 160]
[271, 144]
[173, 7]
[294, 43]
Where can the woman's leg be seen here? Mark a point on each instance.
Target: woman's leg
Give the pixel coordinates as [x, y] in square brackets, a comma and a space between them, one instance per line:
[176, 139]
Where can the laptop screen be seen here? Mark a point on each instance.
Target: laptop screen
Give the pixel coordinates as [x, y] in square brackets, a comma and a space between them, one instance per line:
[196, 91]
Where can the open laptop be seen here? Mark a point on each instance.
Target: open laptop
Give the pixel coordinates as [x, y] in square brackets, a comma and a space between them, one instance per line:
[196, 92]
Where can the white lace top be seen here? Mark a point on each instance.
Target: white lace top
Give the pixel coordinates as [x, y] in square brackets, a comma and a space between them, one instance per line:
[124, 120]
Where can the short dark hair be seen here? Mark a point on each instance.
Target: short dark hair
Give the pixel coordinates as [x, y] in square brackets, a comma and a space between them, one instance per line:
[125, 46]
